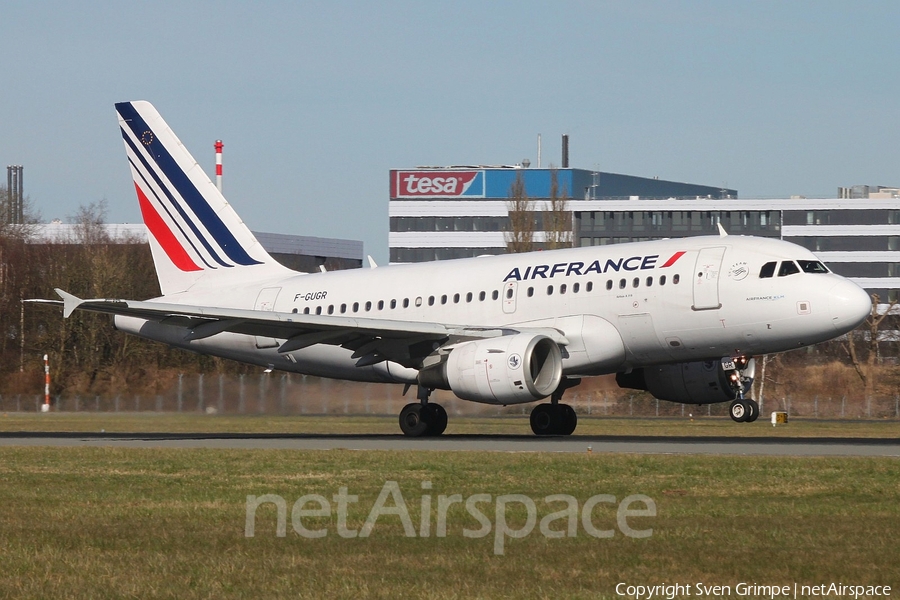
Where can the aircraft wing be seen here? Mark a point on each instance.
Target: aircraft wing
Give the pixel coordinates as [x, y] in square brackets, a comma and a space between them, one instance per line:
[372, 340]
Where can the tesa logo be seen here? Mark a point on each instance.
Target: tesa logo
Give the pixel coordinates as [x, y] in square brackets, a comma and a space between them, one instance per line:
[433, 183]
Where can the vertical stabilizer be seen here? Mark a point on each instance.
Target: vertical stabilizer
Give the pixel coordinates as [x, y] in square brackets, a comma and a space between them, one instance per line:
[196, 238]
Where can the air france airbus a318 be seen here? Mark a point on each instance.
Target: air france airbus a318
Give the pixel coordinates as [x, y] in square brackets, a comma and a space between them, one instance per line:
[680, 318]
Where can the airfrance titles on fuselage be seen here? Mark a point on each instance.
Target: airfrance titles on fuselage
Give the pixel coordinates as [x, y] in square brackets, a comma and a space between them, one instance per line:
[566, 269]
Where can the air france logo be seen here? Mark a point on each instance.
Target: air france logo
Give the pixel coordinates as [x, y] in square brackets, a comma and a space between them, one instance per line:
[567, 269]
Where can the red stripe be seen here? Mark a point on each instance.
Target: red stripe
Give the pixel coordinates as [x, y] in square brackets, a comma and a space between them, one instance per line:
[218, 169]
[158, 228]
[672, 260]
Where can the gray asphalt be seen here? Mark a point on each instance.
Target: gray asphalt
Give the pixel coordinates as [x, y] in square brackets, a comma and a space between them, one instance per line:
[888, 447]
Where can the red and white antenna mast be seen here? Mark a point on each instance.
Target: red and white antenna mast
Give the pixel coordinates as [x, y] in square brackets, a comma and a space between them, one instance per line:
[219, 145]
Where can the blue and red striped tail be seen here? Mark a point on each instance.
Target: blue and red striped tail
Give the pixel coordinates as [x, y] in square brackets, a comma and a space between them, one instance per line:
[196, 237]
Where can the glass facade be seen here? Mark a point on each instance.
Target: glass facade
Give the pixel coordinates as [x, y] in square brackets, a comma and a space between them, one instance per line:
[597, 228]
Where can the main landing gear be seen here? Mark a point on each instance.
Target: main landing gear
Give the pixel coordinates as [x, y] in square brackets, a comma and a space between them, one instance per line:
[555, 418]
[423, 418]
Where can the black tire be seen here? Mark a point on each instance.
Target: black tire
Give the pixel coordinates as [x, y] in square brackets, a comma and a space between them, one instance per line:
[411, 422]
[569, 420]
[739, 411]
[543, 421]
[436, 418]
[754, 410]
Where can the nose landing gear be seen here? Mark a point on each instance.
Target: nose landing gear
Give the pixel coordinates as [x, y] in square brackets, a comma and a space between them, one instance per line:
[740, 377]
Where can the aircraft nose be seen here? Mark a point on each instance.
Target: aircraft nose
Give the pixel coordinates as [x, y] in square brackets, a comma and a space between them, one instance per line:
[848, 305]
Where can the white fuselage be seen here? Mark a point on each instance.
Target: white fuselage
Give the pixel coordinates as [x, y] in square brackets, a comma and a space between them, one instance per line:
[619, 307]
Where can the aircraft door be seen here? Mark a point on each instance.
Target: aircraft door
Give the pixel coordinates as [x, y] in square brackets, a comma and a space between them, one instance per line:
[509, 297]
[706, 278]
[266, 301]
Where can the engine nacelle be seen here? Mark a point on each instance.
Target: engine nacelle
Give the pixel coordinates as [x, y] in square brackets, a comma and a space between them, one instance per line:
[510, 369]
[702, 382]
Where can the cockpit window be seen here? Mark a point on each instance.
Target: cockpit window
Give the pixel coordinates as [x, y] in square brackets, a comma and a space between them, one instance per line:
[812, 266]
[767, 270]
[787, 268]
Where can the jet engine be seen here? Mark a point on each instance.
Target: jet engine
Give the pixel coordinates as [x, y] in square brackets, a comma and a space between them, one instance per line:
[504, 370]
[701, 382]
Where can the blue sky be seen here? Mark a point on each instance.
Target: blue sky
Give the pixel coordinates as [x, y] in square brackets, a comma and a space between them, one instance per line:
[315, 101]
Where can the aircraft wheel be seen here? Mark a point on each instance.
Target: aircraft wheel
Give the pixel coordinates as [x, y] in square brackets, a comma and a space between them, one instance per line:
[739, 411]
[569, 419]
[436, 418]
[411, 422]
[543, 421]
[754, 410]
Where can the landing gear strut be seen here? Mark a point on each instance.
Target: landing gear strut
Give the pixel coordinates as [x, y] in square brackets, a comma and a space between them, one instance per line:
[742, 410]
[555, 418]
[423, 418]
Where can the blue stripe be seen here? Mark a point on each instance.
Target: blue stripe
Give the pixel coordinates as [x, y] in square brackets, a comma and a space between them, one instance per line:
[174, 203]
[186, 189]
[166, 208]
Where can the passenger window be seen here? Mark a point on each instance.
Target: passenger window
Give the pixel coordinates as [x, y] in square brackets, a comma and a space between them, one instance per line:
[575, 288]
[787, 268]
[469, 297]
[482, 296]
[767, 270]
[295, 311]
[495, 294]
[662, 280]
[318, 310]
[562, 289]
[419, 301]
[622, 284]
[636, 282]
[609, 284]
[509, 294]
[406, 302]
[649, 281]
[368, 306]
[343, 308]
[356, 307]
[393, 304]
[331, 309]
[590, 286]
[430, 300]
[306, 311]
[444, 299]
[530, 292]
[381, 305]
[676, 279]
[455, 298]
[812, 266]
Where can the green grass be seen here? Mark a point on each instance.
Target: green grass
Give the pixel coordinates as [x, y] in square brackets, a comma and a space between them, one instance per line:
[510, 425]
[152, 523]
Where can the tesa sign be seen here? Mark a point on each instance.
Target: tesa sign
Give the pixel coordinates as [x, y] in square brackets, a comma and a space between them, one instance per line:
[437, 184]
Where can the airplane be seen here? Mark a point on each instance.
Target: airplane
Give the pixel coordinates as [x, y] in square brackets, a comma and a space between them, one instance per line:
[679, 318]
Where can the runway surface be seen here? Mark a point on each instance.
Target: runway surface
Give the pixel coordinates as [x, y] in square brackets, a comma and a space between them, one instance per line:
[764, 446]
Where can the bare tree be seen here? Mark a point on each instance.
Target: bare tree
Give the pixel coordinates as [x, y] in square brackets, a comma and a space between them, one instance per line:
[870, 335]
[520, 232]
[557, 216]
